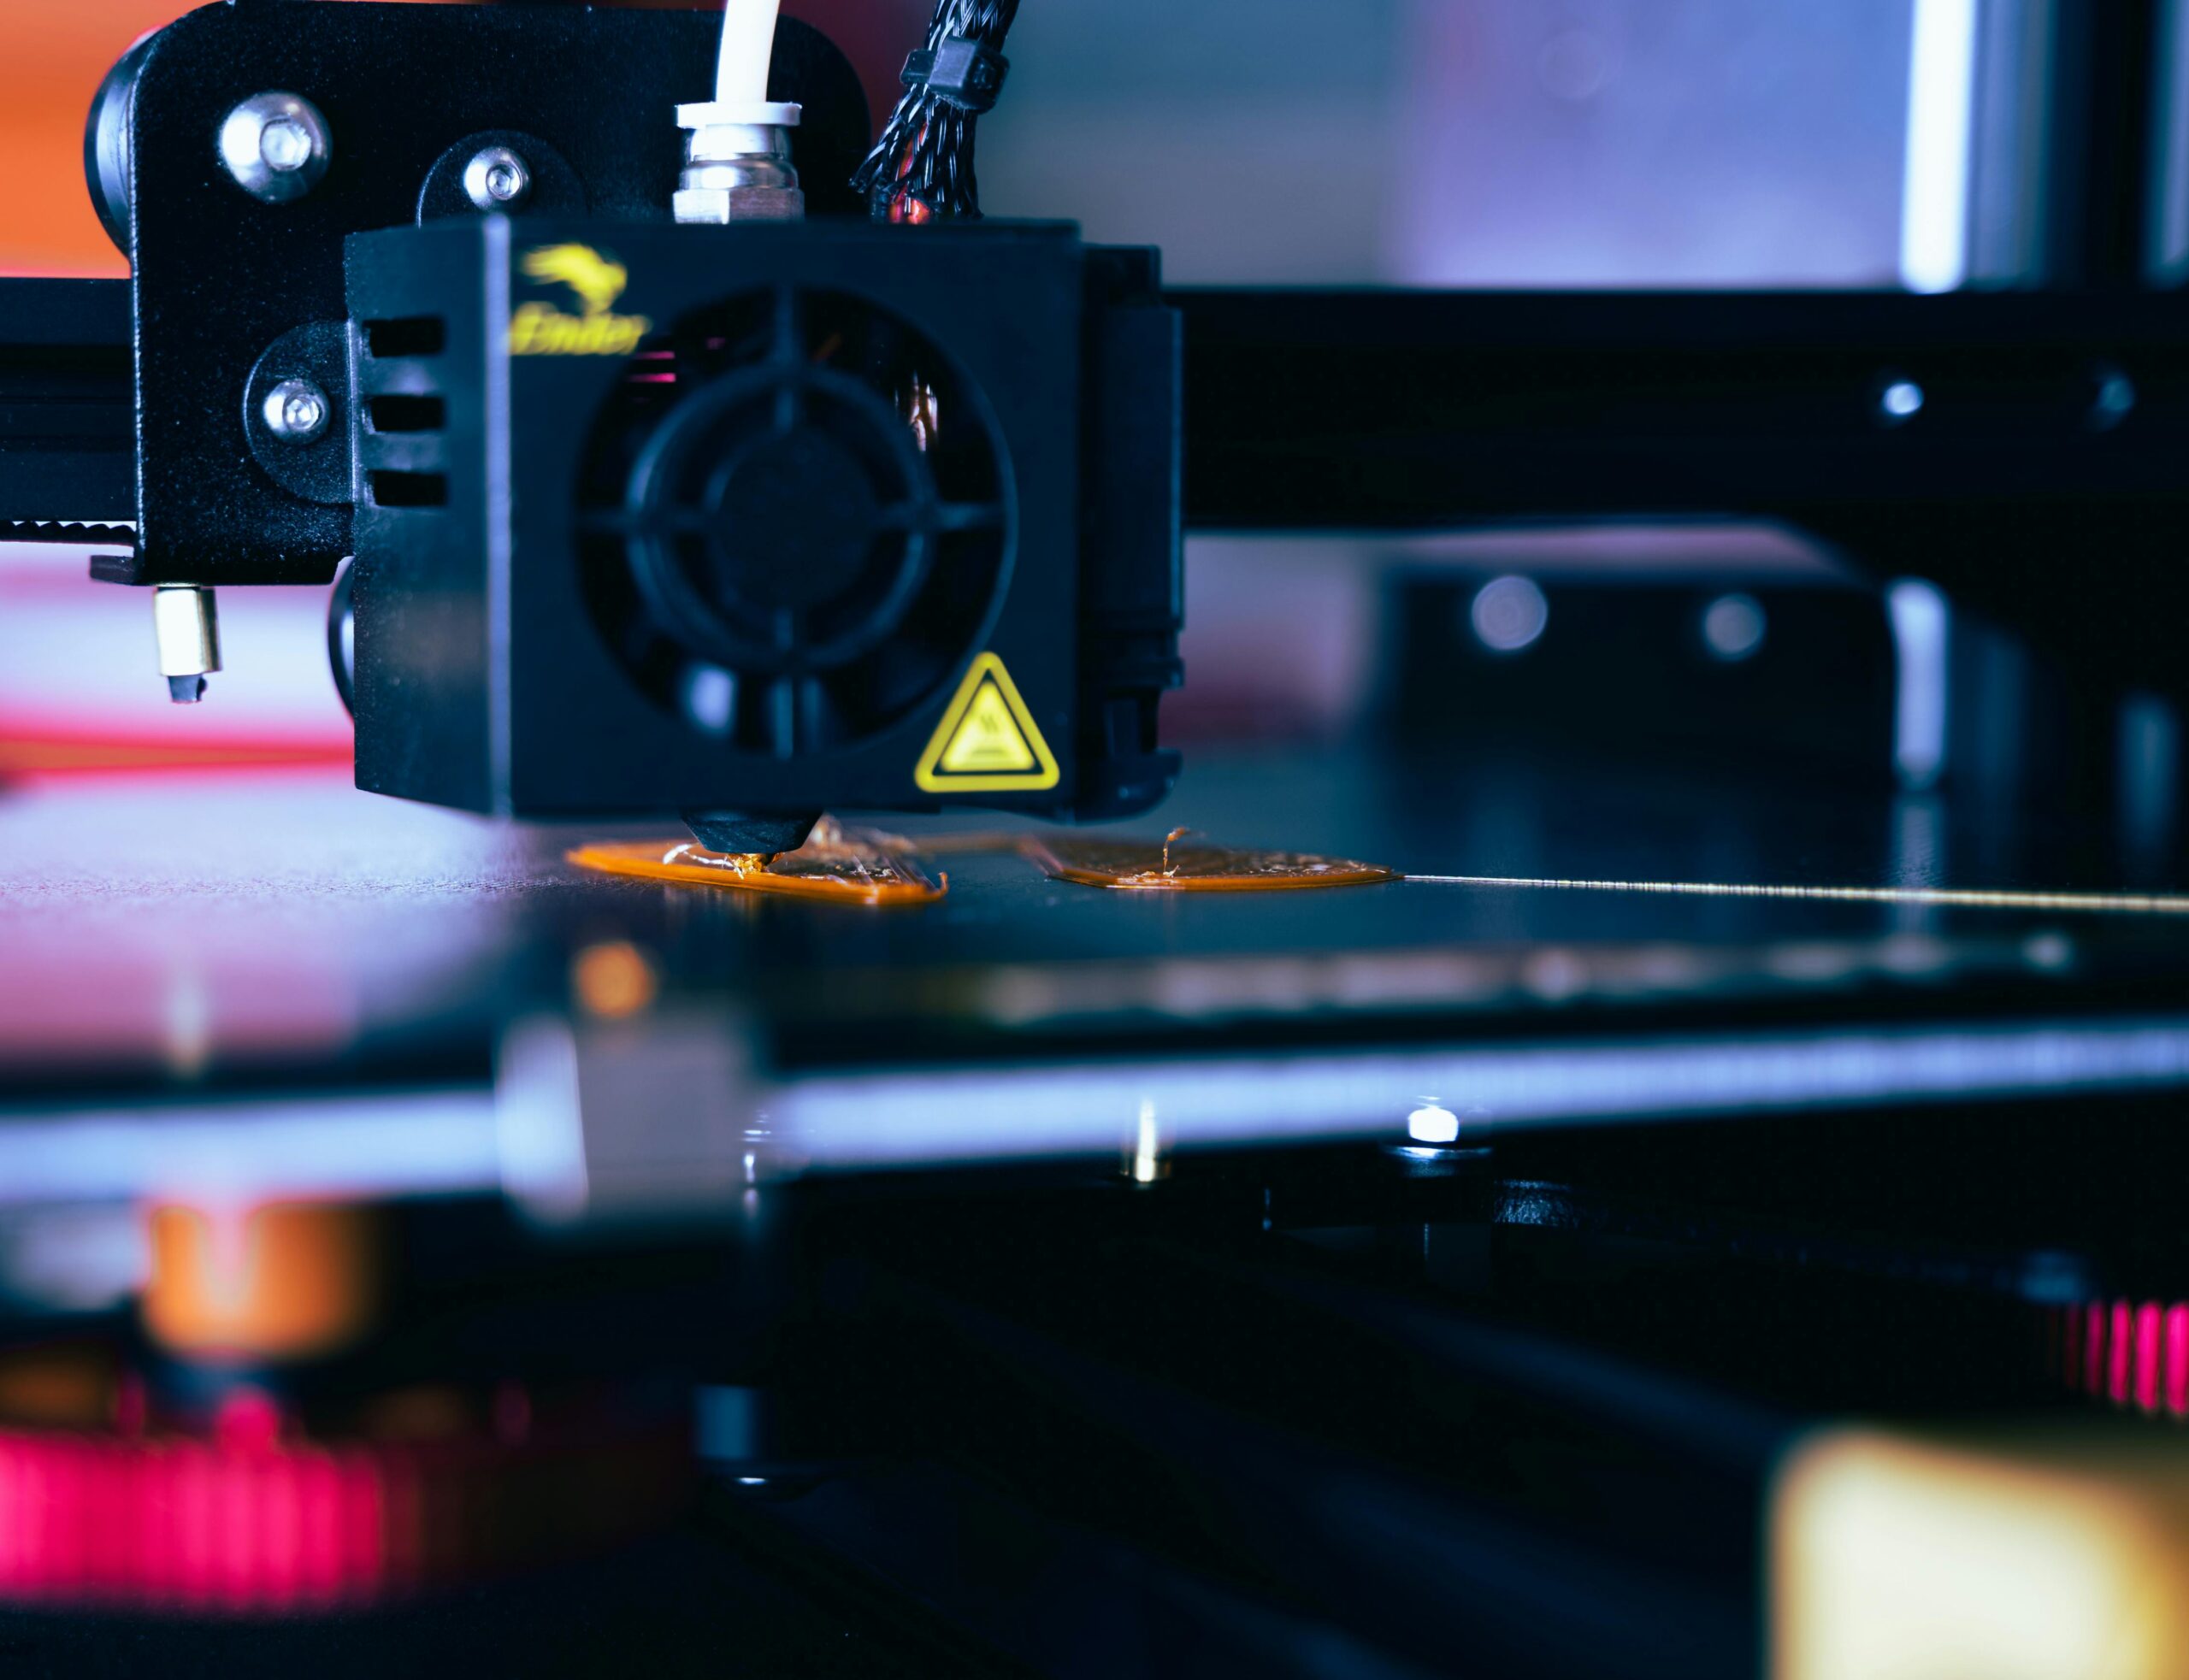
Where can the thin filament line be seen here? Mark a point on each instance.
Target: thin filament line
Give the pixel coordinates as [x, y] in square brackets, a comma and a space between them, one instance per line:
[2130, 904]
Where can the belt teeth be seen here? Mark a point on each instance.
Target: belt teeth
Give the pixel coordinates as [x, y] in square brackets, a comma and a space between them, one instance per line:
[65, 531]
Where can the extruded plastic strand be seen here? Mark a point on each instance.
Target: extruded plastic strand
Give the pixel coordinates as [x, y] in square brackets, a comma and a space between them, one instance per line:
[748, 47]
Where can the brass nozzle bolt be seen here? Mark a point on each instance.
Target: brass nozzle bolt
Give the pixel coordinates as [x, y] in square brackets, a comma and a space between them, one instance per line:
[187, 625]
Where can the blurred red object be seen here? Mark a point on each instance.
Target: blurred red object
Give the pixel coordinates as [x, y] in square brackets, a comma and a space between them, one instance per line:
[79, 691]
[255, 1520]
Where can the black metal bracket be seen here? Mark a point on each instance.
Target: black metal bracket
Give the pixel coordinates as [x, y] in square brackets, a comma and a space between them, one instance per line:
[221, 278]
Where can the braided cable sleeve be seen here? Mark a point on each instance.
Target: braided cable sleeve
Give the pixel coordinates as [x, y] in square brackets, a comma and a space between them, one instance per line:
[921, 168]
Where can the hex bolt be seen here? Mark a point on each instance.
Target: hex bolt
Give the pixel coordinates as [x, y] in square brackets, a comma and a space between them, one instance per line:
[187, 625]
[1898, 400]
[497, 179]
[297, 411]
[276, 146]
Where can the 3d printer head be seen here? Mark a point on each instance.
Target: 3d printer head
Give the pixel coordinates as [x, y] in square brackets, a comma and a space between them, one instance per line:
[806, 510]
[761, 518]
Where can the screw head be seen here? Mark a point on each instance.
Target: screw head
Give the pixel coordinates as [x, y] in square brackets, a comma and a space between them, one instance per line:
[497, 179]
[1898, 401]
[276, 146]
[297, 411]
[2113, 399]
[1733, 627]
[284, 145]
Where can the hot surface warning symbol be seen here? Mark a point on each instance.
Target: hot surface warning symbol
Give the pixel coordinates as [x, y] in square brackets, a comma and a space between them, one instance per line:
[987, 742]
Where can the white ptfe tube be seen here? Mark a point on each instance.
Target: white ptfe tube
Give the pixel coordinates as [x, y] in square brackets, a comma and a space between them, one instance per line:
[748, 42]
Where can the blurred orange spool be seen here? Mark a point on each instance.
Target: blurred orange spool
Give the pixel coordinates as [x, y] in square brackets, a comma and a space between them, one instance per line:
[279, 1282]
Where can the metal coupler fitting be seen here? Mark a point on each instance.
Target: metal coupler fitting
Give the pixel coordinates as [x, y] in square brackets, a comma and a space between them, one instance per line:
[737, 164]
[187, 627]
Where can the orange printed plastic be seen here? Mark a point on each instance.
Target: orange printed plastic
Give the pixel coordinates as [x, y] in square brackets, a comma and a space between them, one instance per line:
[843, 866]
[1151, 866]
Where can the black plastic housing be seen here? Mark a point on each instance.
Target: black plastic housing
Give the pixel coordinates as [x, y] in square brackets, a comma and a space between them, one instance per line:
[492, 672]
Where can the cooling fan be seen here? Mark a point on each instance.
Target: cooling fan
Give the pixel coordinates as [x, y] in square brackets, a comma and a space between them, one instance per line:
[796, 520]
[744, 523]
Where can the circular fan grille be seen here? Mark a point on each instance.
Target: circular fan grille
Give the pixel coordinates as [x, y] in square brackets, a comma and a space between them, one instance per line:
[797, 521]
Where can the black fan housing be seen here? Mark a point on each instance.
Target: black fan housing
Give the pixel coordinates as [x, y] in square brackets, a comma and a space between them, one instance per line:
[661, 519]
[798, 520]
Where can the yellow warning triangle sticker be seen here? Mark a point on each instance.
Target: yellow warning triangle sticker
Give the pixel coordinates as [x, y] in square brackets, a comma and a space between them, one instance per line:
[987, 742]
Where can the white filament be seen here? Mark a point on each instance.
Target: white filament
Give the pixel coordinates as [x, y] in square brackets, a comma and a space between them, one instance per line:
[1941, 105]
[748, 44]
[2133, 904]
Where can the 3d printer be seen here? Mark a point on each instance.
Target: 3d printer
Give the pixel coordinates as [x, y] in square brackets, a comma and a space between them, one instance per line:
[738, 518]
[729, 485]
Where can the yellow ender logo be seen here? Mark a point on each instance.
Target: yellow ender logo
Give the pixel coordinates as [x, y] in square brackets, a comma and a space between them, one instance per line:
[988, 741]
[596, 282]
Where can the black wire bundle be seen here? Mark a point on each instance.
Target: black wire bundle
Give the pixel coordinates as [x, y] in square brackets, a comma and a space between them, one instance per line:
[921, 168]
